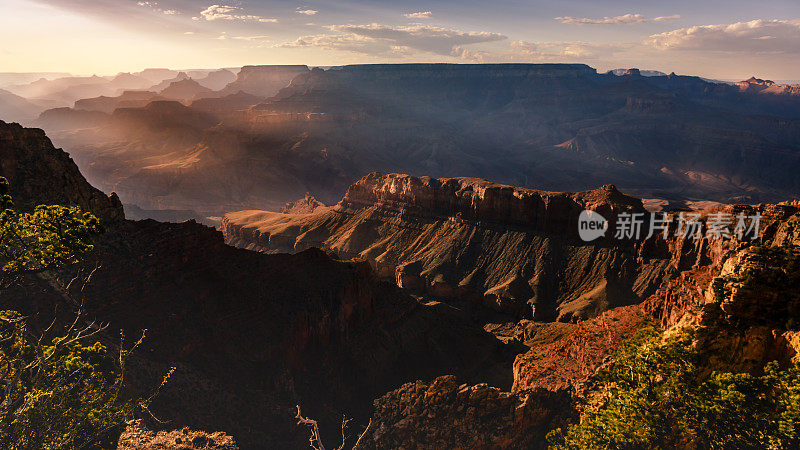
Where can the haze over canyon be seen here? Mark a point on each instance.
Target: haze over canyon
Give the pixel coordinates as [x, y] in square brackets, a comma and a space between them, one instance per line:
[273, 133]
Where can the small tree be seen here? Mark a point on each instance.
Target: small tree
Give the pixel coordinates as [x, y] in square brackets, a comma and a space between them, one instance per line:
[56, 392]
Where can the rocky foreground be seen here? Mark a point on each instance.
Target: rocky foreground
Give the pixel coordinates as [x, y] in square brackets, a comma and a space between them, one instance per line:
[439, 313]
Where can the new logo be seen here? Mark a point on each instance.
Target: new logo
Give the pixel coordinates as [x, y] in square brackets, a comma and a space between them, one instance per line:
[591, 225]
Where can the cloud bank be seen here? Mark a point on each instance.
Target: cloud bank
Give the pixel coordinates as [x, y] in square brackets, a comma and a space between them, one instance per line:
[756, 36]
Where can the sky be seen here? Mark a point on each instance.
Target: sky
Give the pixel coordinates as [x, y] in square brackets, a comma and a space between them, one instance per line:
[729, 39]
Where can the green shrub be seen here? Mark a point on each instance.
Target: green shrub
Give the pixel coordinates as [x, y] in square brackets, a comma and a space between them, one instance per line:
[656, 398]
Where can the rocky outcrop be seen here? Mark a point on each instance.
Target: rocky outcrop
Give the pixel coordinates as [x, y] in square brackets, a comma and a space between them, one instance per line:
[477, 200]
[138, 437]
[755, 85]
[511, 249]
[264, 81]
[447, 414]
[39, 173]
[743, 306]
[571, 359]
[305, 205]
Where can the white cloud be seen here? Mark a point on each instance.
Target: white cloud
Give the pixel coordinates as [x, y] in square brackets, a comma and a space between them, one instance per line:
[154, 6]
[307, 12]
[226, 12]
[419, 15]
[627, 19]
[344, 42]
[667, 18]
[756, 36]
[189, 33]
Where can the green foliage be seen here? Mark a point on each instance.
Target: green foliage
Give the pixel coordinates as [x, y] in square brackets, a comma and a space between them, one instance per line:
[657, 398]
[51, 237]
[62, 393]
[775, 267]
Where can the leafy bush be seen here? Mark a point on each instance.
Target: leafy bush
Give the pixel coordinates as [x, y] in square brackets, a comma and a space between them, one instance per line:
[657, 398]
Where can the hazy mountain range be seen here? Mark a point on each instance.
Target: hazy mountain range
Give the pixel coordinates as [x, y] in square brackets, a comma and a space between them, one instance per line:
[276, 132]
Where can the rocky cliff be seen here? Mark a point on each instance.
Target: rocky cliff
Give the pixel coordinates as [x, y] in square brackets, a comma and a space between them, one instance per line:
[511, 249]
[742, 309]
[251, 334]
[254, 334]
[39, 174]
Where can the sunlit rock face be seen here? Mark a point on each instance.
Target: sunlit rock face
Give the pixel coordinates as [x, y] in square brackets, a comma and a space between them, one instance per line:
[511, 249]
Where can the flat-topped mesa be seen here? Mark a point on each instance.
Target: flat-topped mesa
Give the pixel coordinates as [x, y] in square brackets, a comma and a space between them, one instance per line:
[456, 70]
[475, 199]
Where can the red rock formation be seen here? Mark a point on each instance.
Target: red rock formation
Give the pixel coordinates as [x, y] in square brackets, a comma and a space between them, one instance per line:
[447, 414]
[512, 249]
[306, 205]
[758, 86]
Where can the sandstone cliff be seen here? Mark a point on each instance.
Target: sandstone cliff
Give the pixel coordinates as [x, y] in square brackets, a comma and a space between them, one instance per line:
[512, 249]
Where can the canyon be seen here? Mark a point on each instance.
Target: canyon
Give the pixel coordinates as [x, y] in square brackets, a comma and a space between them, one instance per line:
[252, 334]
[364, 265]
[277, 132]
